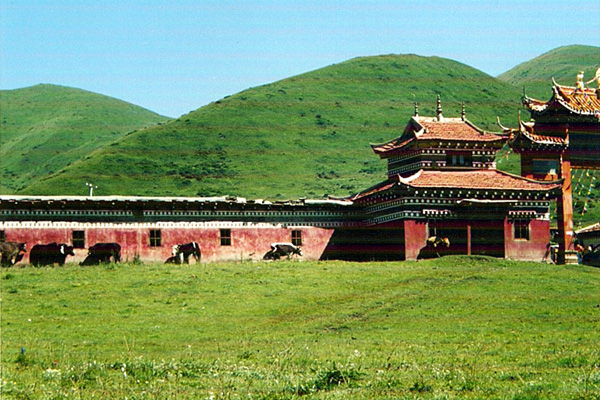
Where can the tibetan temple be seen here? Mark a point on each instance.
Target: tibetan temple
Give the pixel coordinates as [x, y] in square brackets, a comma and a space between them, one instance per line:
[442, 188]
[564, 133]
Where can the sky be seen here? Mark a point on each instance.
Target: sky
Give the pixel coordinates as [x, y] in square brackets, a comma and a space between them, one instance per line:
[175, 56]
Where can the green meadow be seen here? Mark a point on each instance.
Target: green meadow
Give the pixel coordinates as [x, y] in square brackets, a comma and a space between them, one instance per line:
[449, 328]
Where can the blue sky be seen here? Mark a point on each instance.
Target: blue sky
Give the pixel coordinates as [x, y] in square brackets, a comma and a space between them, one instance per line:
[175, 56]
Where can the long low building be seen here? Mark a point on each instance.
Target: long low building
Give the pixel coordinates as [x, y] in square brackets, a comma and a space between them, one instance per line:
[442, 195]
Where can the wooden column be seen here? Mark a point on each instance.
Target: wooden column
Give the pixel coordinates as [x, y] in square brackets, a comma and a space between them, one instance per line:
[468, 238]
[564, 208]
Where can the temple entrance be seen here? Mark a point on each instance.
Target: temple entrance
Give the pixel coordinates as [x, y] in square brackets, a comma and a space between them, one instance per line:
[454, 230]
[487, 238]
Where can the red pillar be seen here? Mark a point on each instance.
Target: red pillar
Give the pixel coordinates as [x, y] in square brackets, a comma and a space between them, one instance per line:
[564, 210]
[468, 238]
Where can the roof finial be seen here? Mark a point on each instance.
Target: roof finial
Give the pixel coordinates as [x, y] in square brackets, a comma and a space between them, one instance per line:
[416, 109]
[579, 84]
[462, 113]
[440, 117]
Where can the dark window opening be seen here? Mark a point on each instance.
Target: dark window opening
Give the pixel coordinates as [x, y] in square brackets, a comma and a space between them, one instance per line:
[460, 159]
[79, 239]
[521, 229]
[155, 238]
[297, 238]
[225, 237]
[2, 236]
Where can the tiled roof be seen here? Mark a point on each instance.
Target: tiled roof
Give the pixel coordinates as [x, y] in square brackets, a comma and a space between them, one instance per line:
[380, 187]
[525, 138]
[591, 228]
[476, 179]
[430, 128]
[584, 102]
[486, 179]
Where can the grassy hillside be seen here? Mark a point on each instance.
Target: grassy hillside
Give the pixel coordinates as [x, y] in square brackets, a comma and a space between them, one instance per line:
[307, 135]
[456, 327]
[562, 64]
[45, 128]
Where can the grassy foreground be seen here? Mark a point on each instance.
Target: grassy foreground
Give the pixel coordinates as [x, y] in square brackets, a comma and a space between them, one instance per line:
[456, 327]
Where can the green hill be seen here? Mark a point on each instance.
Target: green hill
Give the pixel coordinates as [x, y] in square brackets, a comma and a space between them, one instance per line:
[46, 128]
[562, 64]
[307, 135]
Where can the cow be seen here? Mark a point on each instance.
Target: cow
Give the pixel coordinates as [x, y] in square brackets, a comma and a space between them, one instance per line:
[433, 247]
[11, 253]
[49, 254]
[102, 253]
[182, 252]
[282, 249]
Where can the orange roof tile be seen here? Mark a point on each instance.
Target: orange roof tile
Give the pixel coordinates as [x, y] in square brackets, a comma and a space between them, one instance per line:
[475, 179]
[525, 138]
[430, 128]
[380, 187]
[584, 102]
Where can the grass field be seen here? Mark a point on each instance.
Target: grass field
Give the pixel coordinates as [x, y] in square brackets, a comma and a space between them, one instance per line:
[455, 327]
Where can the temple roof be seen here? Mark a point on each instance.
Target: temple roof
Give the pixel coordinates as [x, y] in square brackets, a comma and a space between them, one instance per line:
[592, 228]
[524, 138]
[582, 101]
[436, 129]
[482, 179]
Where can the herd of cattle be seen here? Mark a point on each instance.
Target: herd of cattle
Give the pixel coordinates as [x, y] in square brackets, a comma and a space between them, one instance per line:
[55, 253]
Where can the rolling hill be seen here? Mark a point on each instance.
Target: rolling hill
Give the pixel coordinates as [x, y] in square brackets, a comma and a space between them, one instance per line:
[47, 127]
[307, 135]
[562, 64]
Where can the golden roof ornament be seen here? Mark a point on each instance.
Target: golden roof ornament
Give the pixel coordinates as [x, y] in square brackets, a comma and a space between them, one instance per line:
[579, 85]
[440, 117]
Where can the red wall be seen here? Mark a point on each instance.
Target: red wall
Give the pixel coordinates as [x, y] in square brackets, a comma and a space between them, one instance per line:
[247, 242]
[534, 249]
[416, 234]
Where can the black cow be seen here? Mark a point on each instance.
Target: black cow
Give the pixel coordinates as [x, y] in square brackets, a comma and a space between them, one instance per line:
[182, 253]
[102, 253]
[49, 254]
[11, 253]
[282, 249]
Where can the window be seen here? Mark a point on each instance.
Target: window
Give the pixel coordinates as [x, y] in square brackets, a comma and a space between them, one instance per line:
[521, 229]
[79, 239]
[545, 167]
[463, 159]
[297, 238]
[2, 236]
[225, 237]
[155, 238]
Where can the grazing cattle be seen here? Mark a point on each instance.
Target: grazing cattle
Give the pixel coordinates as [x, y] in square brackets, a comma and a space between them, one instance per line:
[434, 246]
[11, 253]
[282, 249]
[50, 254]
[182, 253]
[92, 259]
[174, 260]
[105, 251]
[435, 241]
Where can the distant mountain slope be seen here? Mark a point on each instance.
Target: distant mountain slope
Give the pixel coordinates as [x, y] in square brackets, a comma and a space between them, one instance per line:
[44, 128]
[562, 64]
[307, 135]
